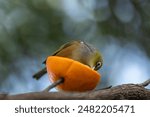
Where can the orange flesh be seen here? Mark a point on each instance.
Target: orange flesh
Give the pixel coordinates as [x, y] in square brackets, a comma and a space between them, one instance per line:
[77, 76]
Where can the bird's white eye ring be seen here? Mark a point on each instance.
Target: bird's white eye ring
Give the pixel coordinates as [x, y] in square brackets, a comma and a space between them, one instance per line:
[98, 65]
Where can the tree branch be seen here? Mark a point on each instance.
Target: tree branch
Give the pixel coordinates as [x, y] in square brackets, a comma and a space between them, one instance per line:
[125, 91]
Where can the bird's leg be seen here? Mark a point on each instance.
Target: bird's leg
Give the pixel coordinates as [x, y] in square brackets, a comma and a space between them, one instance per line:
[59, 81]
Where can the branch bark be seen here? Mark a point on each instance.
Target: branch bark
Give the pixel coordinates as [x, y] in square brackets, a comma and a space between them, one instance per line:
[121, 92]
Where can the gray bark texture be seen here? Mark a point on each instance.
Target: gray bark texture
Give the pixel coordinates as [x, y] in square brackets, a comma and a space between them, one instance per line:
[120, 92]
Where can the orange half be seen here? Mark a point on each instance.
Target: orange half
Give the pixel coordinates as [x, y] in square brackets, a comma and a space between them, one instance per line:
[77, 76]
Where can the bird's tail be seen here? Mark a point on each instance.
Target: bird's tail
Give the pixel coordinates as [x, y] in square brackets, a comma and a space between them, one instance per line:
[39, 74]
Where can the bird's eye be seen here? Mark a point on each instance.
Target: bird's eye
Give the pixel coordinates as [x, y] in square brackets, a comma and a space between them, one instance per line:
[98, 66]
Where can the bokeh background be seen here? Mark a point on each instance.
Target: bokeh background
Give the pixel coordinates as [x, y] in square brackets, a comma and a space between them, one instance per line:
[30, 30]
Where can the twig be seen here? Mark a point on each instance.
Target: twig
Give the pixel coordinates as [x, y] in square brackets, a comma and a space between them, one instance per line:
[59, 81]
[104, 88]
[120, 92]
[146, 83]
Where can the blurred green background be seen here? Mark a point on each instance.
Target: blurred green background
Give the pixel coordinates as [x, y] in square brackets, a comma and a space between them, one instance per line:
[30, 30]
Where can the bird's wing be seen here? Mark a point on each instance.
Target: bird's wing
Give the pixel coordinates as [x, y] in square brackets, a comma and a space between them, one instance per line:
[63, 47]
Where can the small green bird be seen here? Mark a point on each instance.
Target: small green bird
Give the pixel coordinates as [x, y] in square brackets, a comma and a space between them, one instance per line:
[79, 51]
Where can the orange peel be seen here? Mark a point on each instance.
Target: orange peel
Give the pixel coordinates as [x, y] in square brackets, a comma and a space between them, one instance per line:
[77, 76]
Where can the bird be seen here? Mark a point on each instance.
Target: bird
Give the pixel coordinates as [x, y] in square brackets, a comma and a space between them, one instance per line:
[79, 51]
